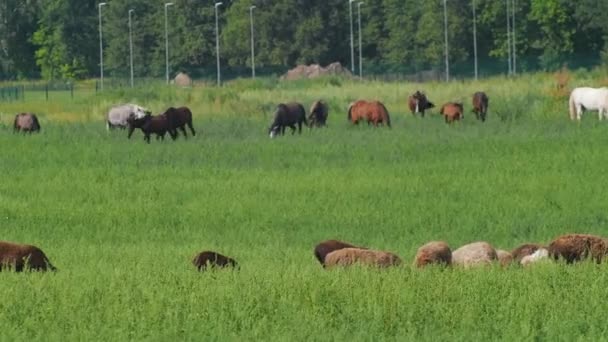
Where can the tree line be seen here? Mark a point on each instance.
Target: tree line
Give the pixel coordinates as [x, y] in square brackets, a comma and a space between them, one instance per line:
[59, 39]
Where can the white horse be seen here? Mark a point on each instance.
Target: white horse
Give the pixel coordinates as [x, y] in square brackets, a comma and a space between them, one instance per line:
[585, 98]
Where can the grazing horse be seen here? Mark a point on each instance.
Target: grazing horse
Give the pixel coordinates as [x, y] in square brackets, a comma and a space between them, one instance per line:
[287, 115]
[18, 257]
[418, 103]
[480, 105]
[452, 111]
[374, 112]
[179, 118]
[26, 122]
[318, 114]
[585, 98]
[149, 124]
[118, 115]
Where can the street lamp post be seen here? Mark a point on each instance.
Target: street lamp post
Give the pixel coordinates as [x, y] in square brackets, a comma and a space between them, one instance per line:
[360, 47]
[131, 46]
[100, 5]
[509, 37]
[513, 34]
[352, 43]
[252, 42]
[217, 43]
[445, 30]
[475, 39]
[167, 42]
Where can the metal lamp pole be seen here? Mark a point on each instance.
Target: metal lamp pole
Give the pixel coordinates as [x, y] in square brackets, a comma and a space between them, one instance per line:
[167, 43]
[475, 39]
[513, 36]
[217, 43]
[445, 29]
[360, 47]
[131, 46]
[509, 37]
[252, 42]
[100, 5]
[352, 43]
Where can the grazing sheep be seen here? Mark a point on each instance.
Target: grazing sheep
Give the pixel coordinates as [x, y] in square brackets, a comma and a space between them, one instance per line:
[328, 246]
[434, 252]
[538, 255]
[19, 257]
[505, 258]
[26, 122]
[524, 250]
[576, 247]
[352, 256]
[474, 254]
[212, 259]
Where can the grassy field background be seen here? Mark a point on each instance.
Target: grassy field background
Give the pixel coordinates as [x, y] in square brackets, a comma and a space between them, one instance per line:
[122, 219]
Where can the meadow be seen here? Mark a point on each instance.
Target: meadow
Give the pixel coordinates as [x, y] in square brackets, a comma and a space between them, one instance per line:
[122, 219]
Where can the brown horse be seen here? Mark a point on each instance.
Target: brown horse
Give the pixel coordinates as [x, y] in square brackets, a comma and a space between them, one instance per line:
[452, 111]
[26, 122]
[149, 124]
[318, 114]
[374, 112]
[287, 115]
[20, 257]
[418, 103]
[179, 118]
[212, 260]
[480, 105]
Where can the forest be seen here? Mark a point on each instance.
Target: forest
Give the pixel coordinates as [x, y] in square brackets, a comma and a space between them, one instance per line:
[59, 39]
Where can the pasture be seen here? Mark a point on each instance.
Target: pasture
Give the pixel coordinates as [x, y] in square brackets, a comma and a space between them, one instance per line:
[122, 219]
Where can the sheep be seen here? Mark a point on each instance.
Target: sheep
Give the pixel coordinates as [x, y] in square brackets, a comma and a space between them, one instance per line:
[352, 256]
[474, 254]
[538, 255]
[434, 252]
[524, 250]
[505, 258]
[212, 259]
[577, 247]
[20, 257]
[328, 246]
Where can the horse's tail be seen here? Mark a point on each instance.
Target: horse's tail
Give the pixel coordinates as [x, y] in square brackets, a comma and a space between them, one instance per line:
[303, 114]
[388, 117]
[350, 111]
[572, 106]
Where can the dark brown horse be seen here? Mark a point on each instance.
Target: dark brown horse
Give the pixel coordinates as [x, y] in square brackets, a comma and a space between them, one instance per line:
[26, 122]
[374, 112]
[149, 124]
[287, 115]
[19, 257]
[452, 111]
[418, 103]
[318, 114]
[206, 259]
[179, 118]
[480, 105]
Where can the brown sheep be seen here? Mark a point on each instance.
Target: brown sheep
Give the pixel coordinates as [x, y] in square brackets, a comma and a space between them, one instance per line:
[452, 111]
[434, 252]
[352, 256]
[328, 246]
[524, 250]
[505, 258]
[576, 247]
[23, 257]
[474, 254]
[212, 260]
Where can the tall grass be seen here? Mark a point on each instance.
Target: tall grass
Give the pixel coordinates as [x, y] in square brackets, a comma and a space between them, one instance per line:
[122, 219]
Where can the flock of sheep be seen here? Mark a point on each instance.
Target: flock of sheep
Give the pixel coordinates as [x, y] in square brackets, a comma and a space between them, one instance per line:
[333, 253]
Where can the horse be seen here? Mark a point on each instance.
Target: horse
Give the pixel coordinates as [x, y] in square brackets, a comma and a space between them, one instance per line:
[149, 124]
[287, 115]
[179, 118]
[452, 111]
[373, 111]
[418, 103]
[26, 122]
[318, 114]
[118, 115]
[18, 257]
[586, 98]
[480, 105]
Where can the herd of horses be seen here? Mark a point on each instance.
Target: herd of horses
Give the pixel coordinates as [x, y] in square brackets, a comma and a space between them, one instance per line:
[570, 248]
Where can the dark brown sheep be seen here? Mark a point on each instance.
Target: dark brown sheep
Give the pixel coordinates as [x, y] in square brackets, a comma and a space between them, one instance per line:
[434, 252]
[206, 259]
[328, 246]
[577, 247]
[19, 257]
[524, 250]
[149, 124]
[26, 122]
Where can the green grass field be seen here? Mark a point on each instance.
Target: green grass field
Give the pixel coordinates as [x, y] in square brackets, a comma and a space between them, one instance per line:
[122, 219]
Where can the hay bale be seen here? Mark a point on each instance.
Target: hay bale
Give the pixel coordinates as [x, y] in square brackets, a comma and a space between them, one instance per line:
[182, 80]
